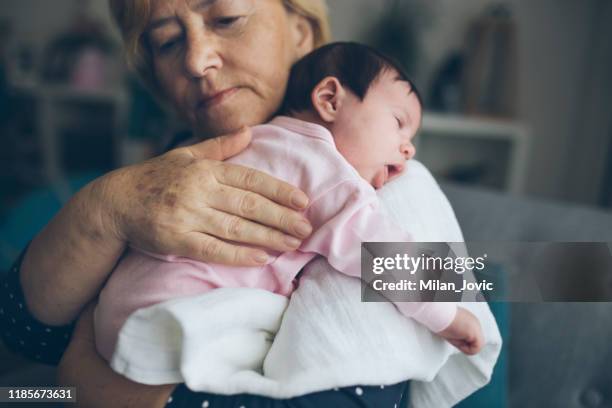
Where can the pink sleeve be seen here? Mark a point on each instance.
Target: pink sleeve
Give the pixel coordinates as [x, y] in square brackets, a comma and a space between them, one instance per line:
[349, 214]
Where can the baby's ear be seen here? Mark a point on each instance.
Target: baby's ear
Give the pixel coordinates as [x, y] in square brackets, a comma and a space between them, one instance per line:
[327, 98]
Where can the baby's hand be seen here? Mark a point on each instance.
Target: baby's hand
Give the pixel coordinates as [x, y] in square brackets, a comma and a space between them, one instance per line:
[464, 332]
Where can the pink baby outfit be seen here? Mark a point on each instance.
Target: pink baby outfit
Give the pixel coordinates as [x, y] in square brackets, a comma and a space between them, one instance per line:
[344, 211]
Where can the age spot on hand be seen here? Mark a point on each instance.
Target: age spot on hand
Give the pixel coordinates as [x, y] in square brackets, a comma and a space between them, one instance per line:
[155, 191]
[170, 200]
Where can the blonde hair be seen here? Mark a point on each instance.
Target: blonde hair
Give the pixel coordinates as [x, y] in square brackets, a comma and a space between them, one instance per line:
[132, 17]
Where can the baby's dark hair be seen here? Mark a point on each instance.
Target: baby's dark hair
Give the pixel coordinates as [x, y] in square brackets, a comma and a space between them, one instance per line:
[356, 66]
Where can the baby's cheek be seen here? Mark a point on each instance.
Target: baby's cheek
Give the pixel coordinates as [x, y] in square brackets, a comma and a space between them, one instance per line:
[378, 180]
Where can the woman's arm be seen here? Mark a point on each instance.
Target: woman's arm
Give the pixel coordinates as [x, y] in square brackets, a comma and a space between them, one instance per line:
[180, 203]
[96, 383]
[68, 261]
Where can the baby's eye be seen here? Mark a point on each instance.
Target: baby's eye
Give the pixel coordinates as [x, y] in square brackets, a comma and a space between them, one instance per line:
[399, 122]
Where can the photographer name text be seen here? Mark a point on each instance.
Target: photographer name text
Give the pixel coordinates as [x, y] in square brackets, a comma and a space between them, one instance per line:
[434, 284]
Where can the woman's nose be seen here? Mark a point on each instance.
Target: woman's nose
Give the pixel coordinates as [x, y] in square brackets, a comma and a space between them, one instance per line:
[201, 56]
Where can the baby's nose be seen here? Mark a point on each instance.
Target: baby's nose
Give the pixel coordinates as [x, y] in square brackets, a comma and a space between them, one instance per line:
[408, 150]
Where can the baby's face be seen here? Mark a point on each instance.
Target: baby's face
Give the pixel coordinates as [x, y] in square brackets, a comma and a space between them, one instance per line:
[375, 135]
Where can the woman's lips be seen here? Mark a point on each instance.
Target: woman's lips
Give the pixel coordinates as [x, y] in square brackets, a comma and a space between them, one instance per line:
[216, 98]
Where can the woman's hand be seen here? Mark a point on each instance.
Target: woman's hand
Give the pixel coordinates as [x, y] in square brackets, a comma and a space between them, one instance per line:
[188, 202]
[96, 383]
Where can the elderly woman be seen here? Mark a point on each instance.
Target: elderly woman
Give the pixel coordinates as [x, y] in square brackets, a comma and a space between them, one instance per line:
[222, 65]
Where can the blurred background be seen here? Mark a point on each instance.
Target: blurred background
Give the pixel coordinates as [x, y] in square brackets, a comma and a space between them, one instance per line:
[517, 94]
[518, 97]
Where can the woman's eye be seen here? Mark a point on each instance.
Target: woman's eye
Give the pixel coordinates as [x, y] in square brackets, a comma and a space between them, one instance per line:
[169, 45]
[226, 22]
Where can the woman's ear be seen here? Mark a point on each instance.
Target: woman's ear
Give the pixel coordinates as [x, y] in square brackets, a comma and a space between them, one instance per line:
[302, 35]
[327, 98]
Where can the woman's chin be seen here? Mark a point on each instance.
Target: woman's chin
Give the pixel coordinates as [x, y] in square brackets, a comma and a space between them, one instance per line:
[221, 122]
[229, 123]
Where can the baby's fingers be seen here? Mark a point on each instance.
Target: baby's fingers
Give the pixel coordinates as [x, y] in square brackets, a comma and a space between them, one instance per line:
[466, 346]
[469, 349]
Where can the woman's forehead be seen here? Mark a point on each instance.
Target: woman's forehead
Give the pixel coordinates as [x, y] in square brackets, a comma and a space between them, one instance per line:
[167, 11]
[159, 7]
[164, 12]
[167, 7]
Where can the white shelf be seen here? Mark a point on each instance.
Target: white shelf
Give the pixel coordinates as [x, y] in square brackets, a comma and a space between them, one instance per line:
[469, 132]
[51, 100]
[474, 127]
[66, 92]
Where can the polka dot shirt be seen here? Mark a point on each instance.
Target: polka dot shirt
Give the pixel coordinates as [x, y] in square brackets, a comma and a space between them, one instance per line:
[21, 332]
[383, 396]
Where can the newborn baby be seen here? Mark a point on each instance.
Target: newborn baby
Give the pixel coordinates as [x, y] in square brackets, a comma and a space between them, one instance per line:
[350, 115]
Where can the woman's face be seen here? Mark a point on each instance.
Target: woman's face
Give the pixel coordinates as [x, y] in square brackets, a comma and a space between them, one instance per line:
[224, 64]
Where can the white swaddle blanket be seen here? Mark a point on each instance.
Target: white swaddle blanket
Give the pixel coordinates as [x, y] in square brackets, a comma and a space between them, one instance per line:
[244, 340]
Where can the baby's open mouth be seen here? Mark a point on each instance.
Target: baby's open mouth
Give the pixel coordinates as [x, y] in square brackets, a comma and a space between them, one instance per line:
[393, 170]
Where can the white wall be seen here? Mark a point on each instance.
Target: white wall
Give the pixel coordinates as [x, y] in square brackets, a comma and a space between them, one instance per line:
[590, 146]
[554, 38]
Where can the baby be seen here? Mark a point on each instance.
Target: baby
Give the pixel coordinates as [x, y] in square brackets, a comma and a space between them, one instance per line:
[350, 117]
